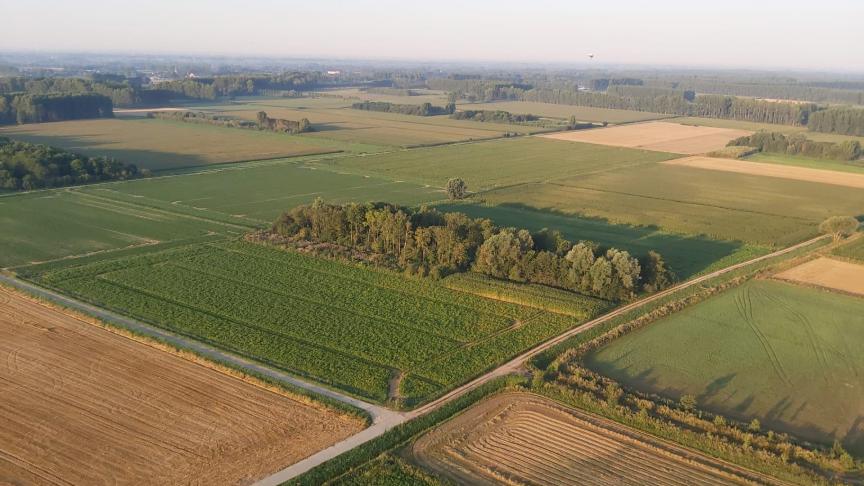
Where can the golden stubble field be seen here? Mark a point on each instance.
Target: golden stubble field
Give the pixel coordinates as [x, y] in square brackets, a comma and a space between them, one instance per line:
[84, 405]
[846, 179]
[517, 438]
[659, 136]
[828, 273]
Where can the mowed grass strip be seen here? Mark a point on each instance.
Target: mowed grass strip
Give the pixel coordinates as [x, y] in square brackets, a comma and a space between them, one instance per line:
[163, 144]
[484, 165]
[779, 352]
[347, 326]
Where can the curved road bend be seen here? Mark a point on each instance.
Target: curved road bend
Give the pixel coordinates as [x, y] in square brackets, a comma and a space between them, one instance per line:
[383, 418]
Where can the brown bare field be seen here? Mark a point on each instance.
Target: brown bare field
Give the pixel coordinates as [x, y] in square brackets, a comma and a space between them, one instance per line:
[836, 178]
[828, 273]
[84, 405]
[660, 136]
[519, 438]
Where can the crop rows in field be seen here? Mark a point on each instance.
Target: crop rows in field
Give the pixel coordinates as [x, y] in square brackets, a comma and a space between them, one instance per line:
[348, 326]
[532, 440]
[528, 295]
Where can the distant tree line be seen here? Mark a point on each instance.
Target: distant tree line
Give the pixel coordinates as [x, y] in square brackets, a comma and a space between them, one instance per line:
[816, 92]
[391, 91]
[425, 109]
[36, 108]
[130, 92]
[658, 99]
[799, 145]
[495, 116]
[843, 120]
[428, 242]
[26, 166]
[262, 122]
[602, 84]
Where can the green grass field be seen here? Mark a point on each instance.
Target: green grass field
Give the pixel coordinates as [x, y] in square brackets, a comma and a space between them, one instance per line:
[163, 144]
[687, 255]
[484, 165]
[726, 206]
[782, 353]
[230, 200]
[853, 249]
[350, 327]
[582, 113]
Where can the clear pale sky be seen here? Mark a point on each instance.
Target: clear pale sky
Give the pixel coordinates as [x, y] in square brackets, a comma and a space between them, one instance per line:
[825, 34]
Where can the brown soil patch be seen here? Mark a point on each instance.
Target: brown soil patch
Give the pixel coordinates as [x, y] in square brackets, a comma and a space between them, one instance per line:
[846, 179]
[83, 405]
[659, 136]
[518, 438]
[828, 273]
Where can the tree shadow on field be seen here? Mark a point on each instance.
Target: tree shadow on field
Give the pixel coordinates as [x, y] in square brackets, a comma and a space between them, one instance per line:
[686, 255]
[96, 145]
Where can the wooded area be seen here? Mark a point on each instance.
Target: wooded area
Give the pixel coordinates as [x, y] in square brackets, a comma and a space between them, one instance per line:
[800, 145]
[428, 242]
[34, 108]
[425, 109]
[26, 166]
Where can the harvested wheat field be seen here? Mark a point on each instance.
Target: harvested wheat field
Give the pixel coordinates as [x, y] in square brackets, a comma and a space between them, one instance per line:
[519, 438]
[828, 273]
[83, 405]
[659, 136]
[836, 178]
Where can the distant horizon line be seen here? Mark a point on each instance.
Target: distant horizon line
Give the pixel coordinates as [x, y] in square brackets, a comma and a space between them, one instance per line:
[588, 65]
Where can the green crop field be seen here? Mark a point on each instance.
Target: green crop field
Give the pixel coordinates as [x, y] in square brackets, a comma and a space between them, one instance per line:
[231, 200]
[164, 144]
[720, 205]
[779, 352]
[854, 249]
[551, 110]
[484, 165]
[350, 327]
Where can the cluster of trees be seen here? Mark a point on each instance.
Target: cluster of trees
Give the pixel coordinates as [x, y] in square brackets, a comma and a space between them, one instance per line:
[425, 109]
[798, 144]
[283, 125]
[263, 122]
[839, 227]
[497, 116]
[35, 108]
[478, 89]
[26, 166]
[427, 242]
[392, 91]
[201, 117]
[843, 120]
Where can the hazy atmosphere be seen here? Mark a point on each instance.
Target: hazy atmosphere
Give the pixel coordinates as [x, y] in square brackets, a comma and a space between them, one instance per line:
[440, 243]
[736, 33]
